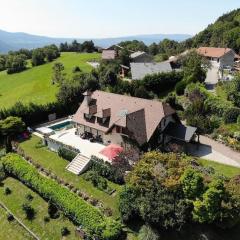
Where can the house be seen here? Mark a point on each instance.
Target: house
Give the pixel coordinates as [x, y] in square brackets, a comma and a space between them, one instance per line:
[108, 54]
[125, 121]
[140, 70]
[124, 70]
[223, 57]
[140, 57]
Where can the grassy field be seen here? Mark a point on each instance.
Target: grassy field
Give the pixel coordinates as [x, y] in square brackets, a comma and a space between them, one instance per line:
[57, 165]
[11, 230]
[34, 84]
[14, 201]
[226, 170]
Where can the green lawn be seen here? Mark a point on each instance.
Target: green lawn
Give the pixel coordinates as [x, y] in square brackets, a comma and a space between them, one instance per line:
[226, 170]
[12, 230]
[34, 84]
[57, 165]
[14, 201]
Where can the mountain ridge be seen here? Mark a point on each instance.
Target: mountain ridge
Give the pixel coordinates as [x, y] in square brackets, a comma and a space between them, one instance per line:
[16, 40]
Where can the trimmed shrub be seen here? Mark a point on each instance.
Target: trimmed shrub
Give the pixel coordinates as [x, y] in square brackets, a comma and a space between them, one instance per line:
[7, 191]
[53, 211]
[180, 87]
[46, 219]
[231, 115]
[65, 231]
[66, 153]
[10, 217]
[72, 205]
[29, 197]
[29, 211]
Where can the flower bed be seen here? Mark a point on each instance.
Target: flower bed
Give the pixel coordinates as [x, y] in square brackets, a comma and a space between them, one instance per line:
[229, 135]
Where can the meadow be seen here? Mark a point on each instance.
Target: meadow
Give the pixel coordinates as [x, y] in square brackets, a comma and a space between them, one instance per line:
[34, 84]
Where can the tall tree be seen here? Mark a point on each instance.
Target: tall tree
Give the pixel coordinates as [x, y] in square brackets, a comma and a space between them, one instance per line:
[38, 57]
[58, 74]
[9, 128]
[16, 63]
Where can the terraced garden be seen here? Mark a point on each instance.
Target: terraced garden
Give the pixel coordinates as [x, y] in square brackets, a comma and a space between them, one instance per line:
[14, 200]
[57, 165]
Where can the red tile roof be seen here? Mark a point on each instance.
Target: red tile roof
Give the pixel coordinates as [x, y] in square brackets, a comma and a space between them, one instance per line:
[140, 116]
[213, 52]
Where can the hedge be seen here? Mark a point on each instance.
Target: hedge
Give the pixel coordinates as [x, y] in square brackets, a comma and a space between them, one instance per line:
[67, 153]
[73, 206]
[33, 114]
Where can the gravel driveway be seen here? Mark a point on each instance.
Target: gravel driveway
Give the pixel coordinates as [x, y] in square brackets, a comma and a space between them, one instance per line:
[212, 78]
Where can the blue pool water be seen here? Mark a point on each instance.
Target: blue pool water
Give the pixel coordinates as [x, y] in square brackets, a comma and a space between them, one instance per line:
[62, 125]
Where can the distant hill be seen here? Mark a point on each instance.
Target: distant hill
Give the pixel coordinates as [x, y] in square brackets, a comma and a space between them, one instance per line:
[225, 32]
[14, 41]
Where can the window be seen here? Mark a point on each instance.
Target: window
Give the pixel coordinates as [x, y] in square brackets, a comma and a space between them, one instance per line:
[87, 116]
[164, 122]
[118, 129]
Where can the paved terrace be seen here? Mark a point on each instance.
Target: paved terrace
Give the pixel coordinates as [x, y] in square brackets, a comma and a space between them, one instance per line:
[86, 147]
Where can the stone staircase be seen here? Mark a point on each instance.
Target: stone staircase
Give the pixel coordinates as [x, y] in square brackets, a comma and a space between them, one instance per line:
[79, 164]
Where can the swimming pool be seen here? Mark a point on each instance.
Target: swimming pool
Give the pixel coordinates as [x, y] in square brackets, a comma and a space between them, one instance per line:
[62, 125]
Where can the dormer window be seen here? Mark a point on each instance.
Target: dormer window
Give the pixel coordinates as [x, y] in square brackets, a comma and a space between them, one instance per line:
[87, 116]
[104, 119]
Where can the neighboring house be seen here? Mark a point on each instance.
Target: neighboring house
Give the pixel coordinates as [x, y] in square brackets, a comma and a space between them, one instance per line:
[140, 57]
[127, 121]
[140, 70]
[109, 54]
[124, 71]
[223, 57]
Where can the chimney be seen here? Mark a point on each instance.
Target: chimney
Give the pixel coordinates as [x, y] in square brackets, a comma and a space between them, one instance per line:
[87, 97]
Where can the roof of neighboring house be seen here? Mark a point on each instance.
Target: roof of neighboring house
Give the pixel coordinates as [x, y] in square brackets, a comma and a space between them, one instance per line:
[137, 54]
[213, 52]
[180, 131]
[138, 115]
[140, 70]
[108, 54]
[175, 58]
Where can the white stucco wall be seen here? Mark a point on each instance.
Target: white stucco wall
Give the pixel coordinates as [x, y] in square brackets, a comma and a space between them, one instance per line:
[53, 146]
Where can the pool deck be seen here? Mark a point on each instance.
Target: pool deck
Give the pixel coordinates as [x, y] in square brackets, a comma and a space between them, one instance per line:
[87, 148]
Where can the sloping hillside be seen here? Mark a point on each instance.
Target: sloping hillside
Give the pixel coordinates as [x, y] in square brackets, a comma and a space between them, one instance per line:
[34, 84]
[225, 32]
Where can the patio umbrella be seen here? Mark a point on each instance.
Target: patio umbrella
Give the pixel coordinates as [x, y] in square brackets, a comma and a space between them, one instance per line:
[111, 151]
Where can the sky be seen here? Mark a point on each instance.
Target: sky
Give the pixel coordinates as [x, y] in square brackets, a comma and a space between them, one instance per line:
[110, 18]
